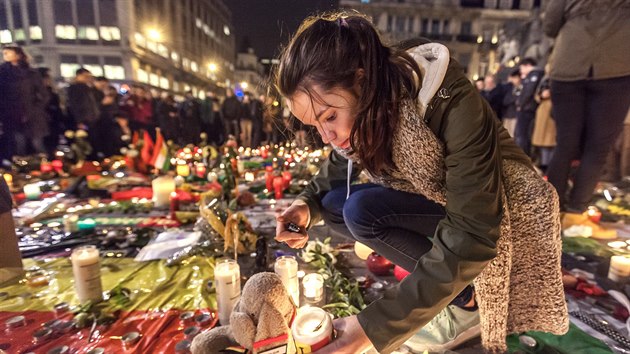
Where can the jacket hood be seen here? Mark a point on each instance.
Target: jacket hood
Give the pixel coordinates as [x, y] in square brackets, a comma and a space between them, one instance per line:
[433, 59]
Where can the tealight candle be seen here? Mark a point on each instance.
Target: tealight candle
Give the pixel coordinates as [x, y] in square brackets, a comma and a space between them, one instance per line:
[32, 191]
[619, 268]
[250, 176]
[287, 267]
[617, 244]
[313, 285]
[312, 329]
[227, 277]
[86, 267]
[162, 188]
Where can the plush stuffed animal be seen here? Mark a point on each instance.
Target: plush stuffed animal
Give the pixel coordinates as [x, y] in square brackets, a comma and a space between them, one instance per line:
[260, 320]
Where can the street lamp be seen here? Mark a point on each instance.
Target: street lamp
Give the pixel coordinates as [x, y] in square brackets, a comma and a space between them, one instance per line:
[154, 34]
[244, 85]
[212, 67]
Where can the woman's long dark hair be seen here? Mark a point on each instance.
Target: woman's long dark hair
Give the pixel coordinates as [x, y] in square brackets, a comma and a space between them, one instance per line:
[328, 50]
[19, 51]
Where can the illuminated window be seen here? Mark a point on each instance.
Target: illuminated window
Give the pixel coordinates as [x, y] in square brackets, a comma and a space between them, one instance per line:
[206, 29]
[198, 23]
[110, 33]
[194, 67]
[68, 69]
[164, 83]
[143, 76]
[175, 57]
[35, 32]
[5, 36]
[154, 80]
[19, 35]
[140, 40]
[96, 70]
[65, 32]
[89, 33]
[152, 46]
[226, 30]
[114, 72]
[162, 50]
[186, 63]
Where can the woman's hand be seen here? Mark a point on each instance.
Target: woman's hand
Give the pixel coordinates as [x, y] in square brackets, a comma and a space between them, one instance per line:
[350, 337]
[297, 213]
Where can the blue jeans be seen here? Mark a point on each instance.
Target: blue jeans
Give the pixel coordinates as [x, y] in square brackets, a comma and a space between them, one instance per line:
[395, 224]
[523, 132]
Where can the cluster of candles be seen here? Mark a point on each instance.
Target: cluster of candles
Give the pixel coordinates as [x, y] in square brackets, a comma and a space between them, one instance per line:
[312, 326]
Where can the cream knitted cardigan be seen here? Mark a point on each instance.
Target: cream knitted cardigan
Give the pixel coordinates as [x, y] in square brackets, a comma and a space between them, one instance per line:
[521, 289]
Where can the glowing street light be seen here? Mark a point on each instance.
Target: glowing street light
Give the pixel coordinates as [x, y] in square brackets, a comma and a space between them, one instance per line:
[212, 67]
[154, 34]
[244, 85]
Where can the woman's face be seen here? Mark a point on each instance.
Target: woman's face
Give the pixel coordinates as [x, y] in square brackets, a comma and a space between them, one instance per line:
[331, 112]
[10, 56]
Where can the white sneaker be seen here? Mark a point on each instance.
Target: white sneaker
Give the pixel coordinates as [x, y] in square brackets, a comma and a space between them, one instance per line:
[450, 328]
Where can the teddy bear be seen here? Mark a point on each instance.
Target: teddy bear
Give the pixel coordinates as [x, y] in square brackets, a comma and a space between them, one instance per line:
[260, 321]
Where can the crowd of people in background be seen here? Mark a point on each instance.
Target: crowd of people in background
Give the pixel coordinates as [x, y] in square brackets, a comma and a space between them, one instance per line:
[34, 113]
[523, 103]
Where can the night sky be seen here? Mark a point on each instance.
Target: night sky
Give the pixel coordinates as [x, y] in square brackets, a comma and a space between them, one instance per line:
[268, 23]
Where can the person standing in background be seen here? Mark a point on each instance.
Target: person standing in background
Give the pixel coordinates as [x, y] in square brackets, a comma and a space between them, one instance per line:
[511, 91]
[526, 104]
[23, 100]
[56, 117]
[590, 92]
[493, 93]
[246, 120]
[544, 135]
[190, 120]
[231, 110]
[82, 104]
[257, 109]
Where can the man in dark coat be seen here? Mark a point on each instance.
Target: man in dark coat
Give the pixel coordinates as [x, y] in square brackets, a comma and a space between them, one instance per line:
[526, 103]
[189, 113]
[231, 111]
[82, 103]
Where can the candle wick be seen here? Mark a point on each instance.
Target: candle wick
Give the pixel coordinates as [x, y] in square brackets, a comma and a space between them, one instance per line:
[321, 323]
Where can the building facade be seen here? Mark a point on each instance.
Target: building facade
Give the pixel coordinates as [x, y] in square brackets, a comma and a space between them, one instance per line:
[173, 45]
[481, 35]
[248, 75]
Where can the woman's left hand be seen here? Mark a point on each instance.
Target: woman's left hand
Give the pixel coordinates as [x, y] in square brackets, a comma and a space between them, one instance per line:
[350, 337]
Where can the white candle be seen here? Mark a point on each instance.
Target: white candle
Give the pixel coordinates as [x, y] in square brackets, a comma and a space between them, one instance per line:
[312, 329]
[619, 268]
[287, 267]
[32, 191]
[86, 266]
[227, 278]
[313, 287]
[162, 189]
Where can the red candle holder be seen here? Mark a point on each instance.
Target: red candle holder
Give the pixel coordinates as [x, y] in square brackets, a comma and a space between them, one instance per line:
[278, 185]
[57, 166]
[45, 167]
[286, 177]
[174, 205]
